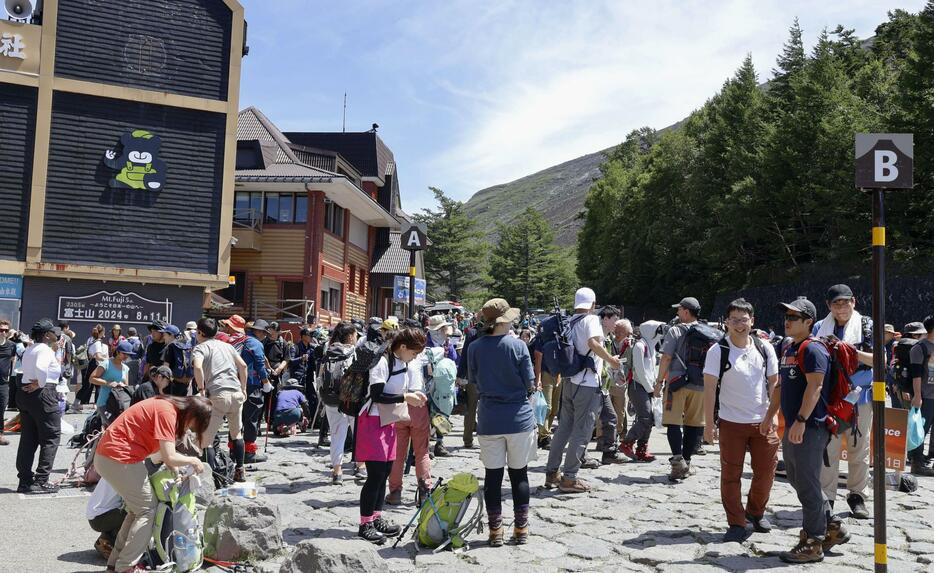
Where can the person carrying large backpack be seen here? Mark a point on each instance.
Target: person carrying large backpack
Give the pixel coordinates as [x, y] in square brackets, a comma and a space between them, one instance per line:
[681, 371]
[340, 354]
[922, 394]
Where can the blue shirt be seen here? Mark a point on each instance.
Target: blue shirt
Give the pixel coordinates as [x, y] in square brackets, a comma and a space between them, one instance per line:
[111, 374]
[255, 359]
[794, 383]
[501, 368]
[289, 400]
[863, 375]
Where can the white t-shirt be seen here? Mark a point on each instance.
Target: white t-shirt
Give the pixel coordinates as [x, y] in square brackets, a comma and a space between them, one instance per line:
[96, 347]
[40, 365]
[744, 392]
[105, 498]
[585, 329]
[395, 384]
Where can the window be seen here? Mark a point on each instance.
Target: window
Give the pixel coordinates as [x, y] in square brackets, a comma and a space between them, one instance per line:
[361, 282]
[272, 208]
[286, 208]
[292, 290]
[331, 295]
[235, 292]
[242, 207]
[301, 208]
[353, 278]
[359, 233]
[334, 218]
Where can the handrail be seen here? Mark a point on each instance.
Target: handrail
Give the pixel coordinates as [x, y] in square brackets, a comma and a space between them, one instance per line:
[249, 219]
[286, 311]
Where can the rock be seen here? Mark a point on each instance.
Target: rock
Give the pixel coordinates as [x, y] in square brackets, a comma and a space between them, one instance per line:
[241, 529]
[334, 556]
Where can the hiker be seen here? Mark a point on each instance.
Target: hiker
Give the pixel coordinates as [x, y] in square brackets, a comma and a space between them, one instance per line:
[174, 357]
[548, 382]
[470, 390]
[7, 358]
[257, 385]
[639, 360]
[339, 356]
[153, 349]
[621, 341]
[439, 336]
[135, 356]
[376, 431]
[97, 352]
[277, 356]
[40, 417]
[739, 375]
[581, 400]
[233, 330]
[148, 428]
[501, 368]
[802, 397]
[850, 326]
[111, 373]
[220, 374]
[159, 378]
[291, 408]
[684, 397]
[116, 337]
[606, 431]
[890, 342]
[105, 515]
[922, 394]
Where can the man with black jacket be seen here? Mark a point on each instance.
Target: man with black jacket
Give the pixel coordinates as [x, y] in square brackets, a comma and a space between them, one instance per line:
[155, 346]
[174, 357]
[473, 395]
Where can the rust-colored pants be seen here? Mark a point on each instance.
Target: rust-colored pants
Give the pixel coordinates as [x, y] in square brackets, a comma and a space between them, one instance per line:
[734, 440]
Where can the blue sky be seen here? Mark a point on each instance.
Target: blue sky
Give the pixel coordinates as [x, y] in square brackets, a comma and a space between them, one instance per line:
[471, 94]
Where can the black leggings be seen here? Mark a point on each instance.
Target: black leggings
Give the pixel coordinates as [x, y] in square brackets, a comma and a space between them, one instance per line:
[493, 490]
[374, 490]
[688, 444]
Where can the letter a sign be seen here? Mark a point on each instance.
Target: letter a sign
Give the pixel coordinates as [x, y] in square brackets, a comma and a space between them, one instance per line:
[884, 160]
[414, 239]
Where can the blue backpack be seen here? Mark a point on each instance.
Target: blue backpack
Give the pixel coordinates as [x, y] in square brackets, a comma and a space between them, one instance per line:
[558, 353]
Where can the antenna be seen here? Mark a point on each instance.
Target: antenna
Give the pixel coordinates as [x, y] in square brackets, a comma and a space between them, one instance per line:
[344, 124]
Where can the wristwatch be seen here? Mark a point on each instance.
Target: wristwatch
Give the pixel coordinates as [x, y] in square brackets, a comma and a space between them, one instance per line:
[800, 418]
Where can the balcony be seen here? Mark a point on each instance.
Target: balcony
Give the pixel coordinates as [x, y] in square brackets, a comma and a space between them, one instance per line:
[248, 229]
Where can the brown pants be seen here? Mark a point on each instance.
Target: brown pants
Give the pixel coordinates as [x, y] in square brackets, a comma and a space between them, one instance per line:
[470, 416]
[734, 440]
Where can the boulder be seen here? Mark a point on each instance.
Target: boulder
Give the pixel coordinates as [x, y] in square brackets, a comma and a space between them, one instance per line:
[242, 529]
[334, 556]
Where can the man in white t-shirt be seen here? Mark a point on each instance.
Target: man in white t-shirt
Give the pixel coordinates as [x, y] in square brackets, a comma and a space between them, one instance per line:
[581, 400]
[739, 375]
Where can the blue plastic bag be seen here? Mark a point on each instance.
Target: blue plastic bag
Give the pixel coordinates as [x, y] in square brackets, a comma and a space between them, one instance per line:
[540, 406]
[915, 428]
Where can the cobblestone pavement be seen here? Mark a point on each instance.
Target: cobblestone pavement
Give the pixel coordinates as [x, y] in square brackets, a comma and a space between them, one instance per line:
[634, 520]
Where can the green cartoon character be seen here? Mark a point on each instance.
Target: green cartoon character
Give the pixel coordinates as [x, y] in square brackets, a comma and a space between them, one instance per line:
[138, 164]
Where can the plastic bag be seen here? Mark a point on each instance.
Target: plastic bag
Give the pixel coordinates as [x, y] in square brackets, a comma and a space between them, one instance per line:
[540, 406]
[915, 428]
[657, 406]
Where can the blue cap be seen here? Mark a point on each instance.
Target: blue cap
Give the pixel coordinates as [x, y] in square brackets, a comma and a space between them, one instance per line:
[125, 347]
[170, 329]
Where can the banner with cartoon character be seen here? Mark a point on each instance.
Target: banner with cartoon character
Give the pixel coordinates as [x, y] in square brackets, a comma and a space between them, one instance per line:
[137, 164]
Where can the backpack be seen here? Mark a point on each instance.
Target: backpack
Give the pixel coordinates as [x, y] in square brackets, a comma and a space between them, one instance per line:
[696, 341]
[355, 382]
[726, 366]
[904, 373]
[223, 467]
[332, 371]
[443, 519]
[559, 354]
[177, 536]
[442, 375]
[117, 403]
[841, 413]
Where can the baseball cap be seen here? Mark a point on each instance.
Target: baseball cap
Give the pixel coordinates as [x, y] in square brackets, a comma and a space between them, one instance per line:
[583, 298]
[164, 371]
[838, 292]
[273, 326]
[801, 305]
[914, 328]
[688, 302]
[124, 347]
[170, 329]
[497, 311]
[46, 325]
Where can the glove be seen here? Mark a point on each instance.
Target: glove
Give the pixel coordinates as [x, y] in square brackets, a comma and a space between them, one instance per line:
[267, 387]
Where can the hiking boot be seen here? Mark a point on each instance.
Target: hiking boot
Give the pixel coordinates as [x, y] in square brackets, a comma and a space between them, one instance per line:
[760, 524]
[736, 534]
[441, 451]
[239, 475]
[552, 479]
[857, 506]
[4, 441]
[568, 485]
[680, 469]
[590, 463]
[336, 479]
[394, 497]
[808, 550]
[368, 531]
[496, 536]
[386, 527]
[612, 458]
[628, 450]
[836, 535]
[103, 546]
[520, 535]
[642, 453]
[43, 487]
[324, 443]
[255, 458]
[920, 469]
[699, 450]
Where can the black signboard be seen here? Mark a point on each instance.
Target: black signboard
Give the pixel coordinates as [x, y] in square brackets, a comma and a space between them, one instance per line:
[884, 160]
[113, 306]
[414, 239]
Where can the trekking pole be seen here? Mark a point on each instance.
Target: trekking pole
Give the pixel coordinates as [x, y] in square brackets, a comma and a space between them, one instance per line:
[268, 425]
[417, 512]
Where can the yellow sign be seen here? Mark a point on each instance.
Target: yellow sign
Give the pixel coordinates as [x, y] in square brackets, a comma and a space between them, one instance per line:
[19, 47]
[232, 280]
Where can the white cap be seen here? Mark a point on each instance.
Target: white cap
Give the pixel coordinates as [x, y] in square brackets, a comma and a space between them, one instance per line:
[584, 298]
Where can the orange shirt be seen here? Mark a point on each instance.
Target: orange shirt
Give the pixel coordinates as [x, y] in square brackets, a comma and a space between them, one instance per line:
[136, 433]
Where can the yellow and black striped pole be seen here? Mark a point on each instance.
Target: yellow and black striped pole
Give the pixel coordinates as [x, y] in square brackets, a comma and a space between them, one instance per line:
[878, 384]
[412, 284]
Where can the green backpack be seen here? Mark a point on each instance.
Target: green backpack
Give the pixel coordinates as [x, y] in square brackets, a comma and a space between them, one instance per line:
[176, 534]
[442, 520]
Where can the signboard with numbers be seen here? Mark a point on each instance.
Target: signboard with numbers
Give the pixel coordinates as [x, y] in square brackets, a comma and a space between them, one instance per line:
[113, 306]
[896, 440]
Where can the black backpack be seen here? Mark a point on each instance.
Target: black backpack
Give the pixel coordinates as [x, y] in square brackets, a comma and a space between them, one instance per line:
[223, 467]
[117, 403]
[725, 366]
[696, 341]
[332, 371]
[902, 367]
[355, 383]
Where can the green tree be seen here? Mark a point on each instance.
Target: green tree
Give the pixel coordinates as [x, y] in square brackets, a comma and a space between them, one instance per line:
[454, 260]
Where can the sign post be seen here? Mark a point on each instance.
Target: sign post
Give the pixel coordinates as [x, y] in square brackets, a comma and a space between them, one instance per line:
[413, 240]
[883, 161]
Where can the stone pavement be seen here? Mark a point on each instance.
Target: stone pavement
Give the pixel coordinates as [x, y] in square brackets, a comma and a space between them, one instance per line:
[635, 520]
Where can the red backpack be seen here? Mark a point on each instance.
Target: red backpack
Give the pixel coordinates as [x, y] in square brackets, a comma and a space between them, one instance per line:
[841, 414]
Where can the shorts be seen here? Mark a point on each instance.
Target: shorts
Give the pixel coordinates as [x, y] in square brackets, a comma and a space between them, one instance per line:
[514, 450]
[684, 408]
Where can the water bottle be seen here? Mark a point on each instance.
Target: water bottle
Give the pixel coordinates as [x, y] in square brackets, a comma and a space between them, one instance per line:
[186, 554]
[853, 396]
[247, 489]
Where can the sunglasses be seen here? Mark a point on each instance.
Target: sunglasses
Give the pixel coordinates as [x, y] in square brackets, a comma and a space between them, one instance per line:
[793, 317]
[4, 330]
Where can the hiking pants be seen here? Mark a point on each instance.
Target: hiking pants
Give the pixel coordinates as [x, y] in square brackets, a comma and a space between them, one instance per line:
[225, 403]
[340, 424]
[131, 481]
[618, 396]
[803, 463]
[857, 457]
[927, 412]
[551, 388]
[418, 429]
[734, 441]
[470, 416]
[606, 440]
[109, 524]
[252, 413]
[41, 429]
[579, 408]
[4, 400]
[641, 401]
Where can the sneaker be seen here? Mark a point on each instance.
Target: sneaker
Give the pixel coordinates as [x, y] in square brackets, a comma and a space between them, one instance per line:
[359, 474]
[496, 536]
[336, 479]
[255, 458]
[736, 534]
[394, 497]
[324, 443]
[700, 451]
[642, 453]
[520, 535]
[680, 469]
[386, 527]
[239, 475]
[590, 463]
[612, 458]
[628, 450]
[368, 531]
[441, 451]
[836, 535]
[760, 524]
[808, 550]
[24, 488]
[569, 485]
[857, 506]
[43, 487]
[919, 469]
[552, 479]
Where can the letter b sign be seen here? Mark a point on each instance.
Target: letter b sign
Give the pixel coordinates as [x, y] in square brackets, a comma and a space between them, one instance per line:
[884, 160]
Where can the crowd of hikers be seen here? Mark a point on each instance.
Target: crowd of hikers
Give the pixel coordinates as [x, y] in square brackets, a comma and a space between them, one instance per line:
[381, 391]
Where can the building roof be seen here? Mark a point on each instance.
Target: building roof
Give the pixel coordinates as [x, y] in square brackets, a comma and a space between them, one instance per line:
[393, 260]
[364, 150]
